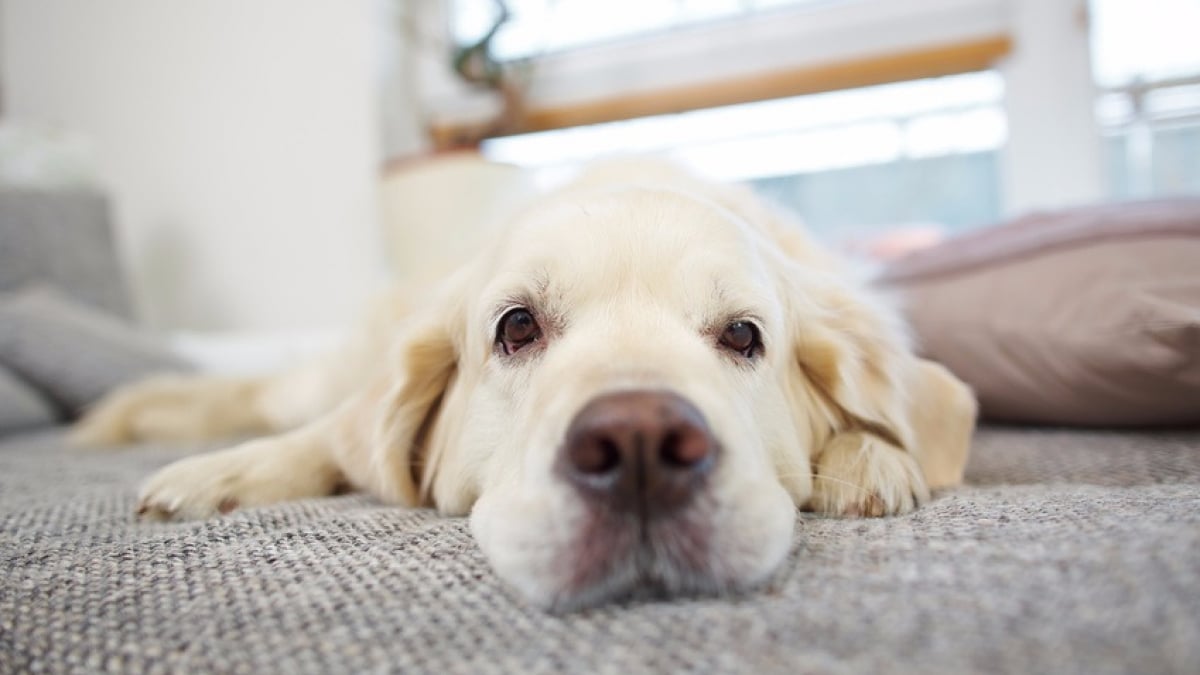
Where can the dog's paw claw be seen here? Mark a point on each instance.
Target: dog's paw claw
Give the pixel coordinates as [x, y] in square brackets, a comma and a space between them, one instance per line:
[193, 488]
[159, 509]
[871, 506]
[875, 506]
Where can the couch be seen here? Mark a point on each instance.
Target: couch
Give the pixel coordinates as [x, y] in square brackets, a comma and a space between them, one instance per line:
[1066, 551]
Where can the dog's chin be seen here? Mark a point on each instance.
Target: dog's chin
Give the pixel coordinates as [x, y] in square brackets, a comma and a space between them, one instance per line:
[619, 557]
[615, 557]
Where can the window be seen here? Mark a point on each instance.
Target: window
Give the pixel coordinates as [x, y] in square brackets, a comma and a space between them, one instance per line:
[1146, 62]
[852, 163]
[787, 95]
[545, 26]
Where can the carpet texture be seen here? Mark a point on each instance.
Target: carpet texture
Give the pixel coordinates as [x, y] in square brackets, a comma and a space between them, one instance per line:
[1069, 552]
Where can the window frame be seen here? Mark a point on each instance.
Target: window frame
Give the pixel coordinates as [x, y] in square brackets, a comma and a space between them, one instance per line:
[775, 54]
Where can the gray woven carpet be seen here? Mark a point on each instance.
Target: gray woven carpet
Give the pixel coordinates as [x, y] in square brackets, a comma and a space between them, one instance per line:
[1070, 552]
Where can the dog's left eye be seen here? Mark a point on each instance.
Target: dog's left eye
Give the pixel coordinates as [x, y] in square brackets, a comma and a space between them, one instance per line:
[517, 329]
[742, 337]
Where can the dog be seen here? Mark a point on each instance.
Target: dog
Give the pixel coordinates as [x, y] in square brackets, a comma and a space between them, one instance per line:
[636, 382]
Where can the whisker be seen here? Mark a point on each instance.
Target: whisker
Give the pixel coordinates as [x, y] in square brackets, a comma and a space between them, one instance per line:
[816, 476]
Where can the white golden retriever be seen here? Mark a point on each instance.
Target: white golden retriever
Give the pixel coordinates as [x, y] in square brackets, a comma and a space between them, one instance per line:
[635, 383]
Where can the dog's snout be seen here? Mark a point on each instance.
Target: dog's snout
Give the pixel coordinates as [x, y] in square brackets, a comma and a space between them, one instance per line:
[644, 452]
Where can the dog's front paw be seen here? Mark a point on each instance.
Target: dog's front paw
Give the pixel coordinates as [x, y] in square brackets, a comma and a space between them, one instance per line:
[860, 475]
[257, 473]
[197, 487]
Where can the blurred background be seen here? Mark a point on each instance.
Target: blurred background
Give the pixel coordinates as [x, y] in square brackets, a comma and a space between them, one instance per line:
[241, 145]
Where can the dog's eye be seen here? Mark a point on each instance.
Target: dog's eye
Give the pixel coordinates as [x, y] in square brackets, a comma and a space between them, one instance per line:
[517, 329]
[742, 337]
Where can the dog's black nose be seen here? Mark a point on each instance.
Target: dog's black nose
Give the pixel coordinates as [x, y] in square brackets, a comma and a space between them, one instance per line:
[642, 452]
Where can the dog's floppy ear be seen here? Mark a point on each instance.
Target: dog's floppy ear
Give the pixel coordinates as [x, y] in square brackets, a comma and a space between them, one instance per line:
[855, 353]
[404, 402]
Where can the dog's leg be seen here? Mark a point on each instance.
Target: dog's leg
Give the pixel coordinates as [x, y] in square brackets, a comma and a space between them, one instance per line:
[370, 441]
[176, 408]
[339, 449]
[203, 407]
[291, 466]
[200, 407]
[858, 474]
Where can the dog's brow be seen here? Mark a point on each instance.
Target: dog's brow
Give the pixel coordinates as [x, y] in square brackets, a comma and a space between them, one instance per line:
[541, 283]
[729, 305]
[720, 292]
[727, 302]
[534, 296]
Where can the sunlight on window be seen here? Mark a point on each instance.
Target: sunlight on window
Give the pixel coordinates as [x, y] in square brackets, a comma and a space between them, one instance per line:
[850, 162]
[1146, 39]
[545, 26]
[1145, 55]
[926, 118]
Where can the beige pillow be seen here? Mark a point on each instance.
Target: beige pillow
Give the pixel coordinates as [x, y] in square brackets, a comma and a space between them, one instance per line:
[1082, 317]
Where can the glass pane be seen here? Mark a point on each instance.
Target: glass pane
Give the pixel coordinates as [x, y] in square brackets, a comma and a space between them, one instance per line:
[1177, 161]
[1144, 39]
[544, 26]
[1146, 56]
[853, 163]
[949, 193]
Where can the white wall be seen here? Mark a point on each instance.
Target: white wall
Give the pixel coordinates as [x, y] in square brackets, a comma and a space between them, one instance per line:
[239, 141]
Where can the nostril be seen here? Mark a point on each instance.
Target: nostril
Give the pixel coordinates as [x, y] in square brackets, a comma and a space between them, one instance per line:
[684, 448]
[597, 455]
[638, 452]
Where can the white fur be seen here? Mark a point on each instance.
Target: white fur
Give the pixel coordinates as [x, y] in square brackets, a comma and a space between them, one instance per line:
[632, 279]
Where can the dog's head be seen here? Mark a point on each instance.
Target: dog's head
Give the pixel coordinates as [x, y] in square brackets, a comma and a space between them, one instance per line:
[628, 389]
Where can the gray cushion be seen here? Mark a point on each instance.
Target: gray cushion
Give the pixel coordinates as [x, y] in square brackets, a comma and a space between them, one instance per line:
[72, 353]
[64, 239]
[1065, 553]
[21, 407]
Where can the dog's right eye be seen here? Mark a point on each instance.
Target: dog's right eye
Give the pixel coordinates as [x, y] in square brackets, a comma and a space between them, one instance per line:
[517, 329]
[743, 338]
